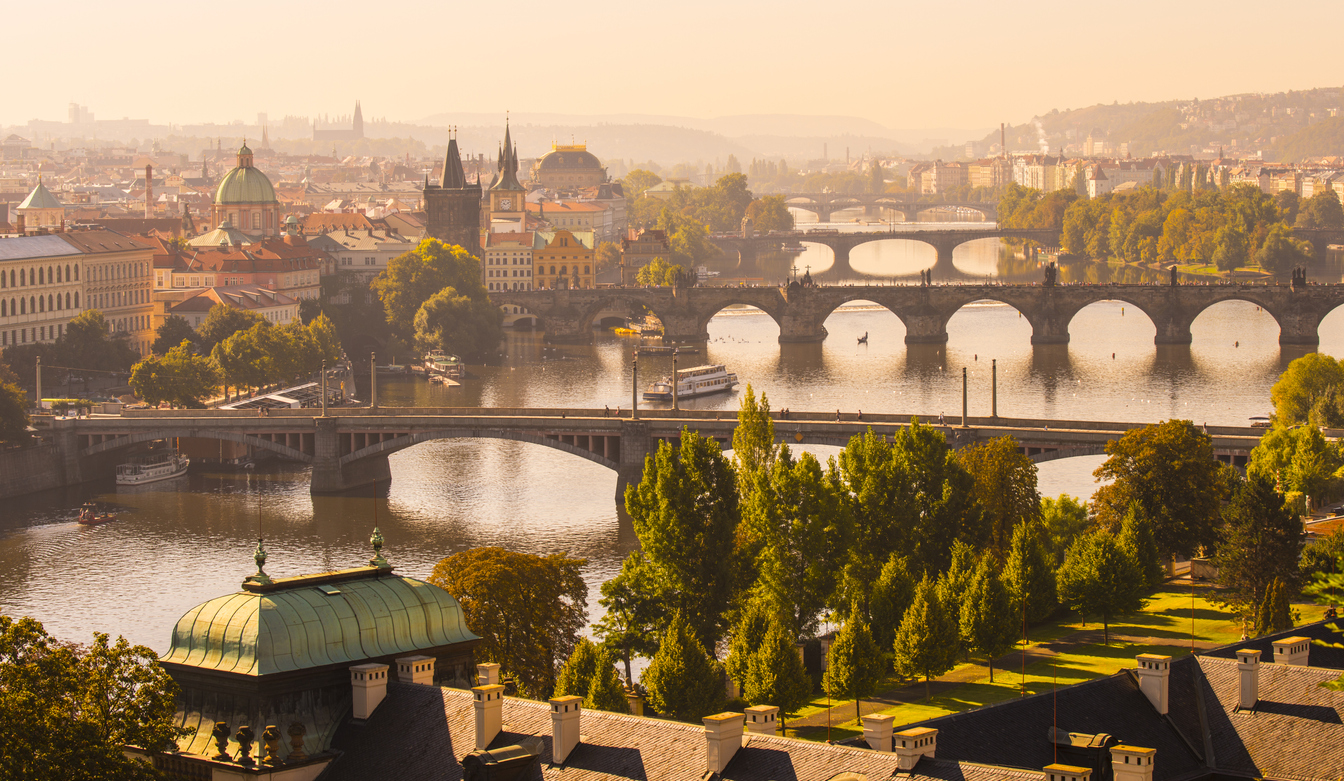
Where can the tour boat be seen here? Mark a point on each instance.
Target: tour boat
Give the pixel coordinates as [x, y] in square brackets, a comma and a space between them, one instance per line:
[659, 349]
[445, 365]
[694, 382]
[153, 468]
[89, 515]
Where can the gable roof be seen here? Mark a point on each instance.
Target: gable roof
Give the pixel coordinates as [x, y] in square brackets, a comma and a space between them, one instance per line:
[41, 198]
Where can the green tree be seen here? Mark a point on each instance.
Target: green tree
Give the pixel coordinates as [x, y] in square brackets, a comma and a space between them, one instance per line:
[605, 691]
[749, 632]
[607, 255]
[87, 344]
[456, 323]
[988, 621]
[1136, 537]
[659, 273]
[576, 676]
[954, 582]
[1322, 210]
[939, 504]
[243, 358]
[1231, 249]
[220, 323]
[682, 681]
[68, 711]
[796, 514]
[1100, 578]
[635, 610]
[1298, 460]
[326, 340]
[770, 213]
[1260, 540]
[1005, 485]
[1029, 575]
[13, 414]
[891, 596]
[754, 448]
[171, 333]
[1325, 557]
[1275, 613]
[686, 515]
[639, 180]
[1065, 519]
[1170, 471]
[1306, 390]
[926, 642]
[181, 377]
[1280, 252]
[775, 675]
[527, 609]
[873, 487]
[854, 663]
[413, 278]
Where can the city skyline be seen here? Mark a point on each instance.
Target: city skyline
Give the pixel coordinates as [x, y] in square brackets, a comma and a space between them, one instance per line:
[903, 67]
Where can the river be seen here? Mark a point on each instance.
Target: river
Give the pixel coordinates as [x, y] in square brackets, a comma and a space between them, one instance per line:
[184, 541]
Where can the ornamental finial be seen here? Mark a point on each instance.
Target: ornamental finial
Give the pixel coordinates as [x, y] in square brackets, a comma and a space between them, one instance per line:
[376, 540]
[259, 556]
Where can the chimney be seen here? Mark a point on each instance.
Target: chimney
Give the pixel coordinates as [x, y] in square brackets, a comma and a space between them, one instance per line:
[416, 669]
[1130, 763]
[762, 719]
[149, 191]
[20, 226]
[1154, 674]
[877, 731]
[487, 674]
[564, 726]
[634, 702]
[1067, 773]
[489, 713]
[1292, 650]
[914, 743]
[1248, 662]
[368, 683]
[723, 737]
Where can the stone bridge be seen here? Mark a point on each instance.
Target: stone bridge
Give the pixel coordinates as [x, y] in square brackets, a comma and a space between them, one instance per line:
[348, 450]
[824, 204]
[801, 312]
[943, 241]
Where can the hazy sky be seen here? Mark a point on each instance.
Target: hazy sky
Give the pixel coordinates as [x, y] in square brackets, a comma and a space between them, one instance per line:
[967, 64]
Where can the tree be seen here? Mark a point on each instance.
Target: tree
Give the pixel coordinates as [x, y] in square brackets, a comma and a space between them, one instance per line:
[1170, 471]
[770, 213]
[797, 516]
[891, 596]
[1299, 460]
[685, 513]
[456, 323]
[87, 344]
[1280, 252]
[181, 377]
[659, 273]
[635, 610]
[748, 634]
[68, 711]
[1321, 210]
[938, 505]
[1064, 520]
[954, 582]
[413, 278]
[1100, 578]
[220, 323]
[243, 358]
[754, 448]
[926, 642]
[682, 681]
[325, 339]
[605, 691]
[1260, 540]
[776, 676]
[639, 180]
[576, 676]
[1029, 575]
[1136, 537]
[1325, 557]
[171, 333]
[1005, 485]
[527, 609]
[988, 622]
[873, 487]
[13, 414]
[1305, 390]
[1275, 613]
[854, 663]
[607, 255]
[1231, 249]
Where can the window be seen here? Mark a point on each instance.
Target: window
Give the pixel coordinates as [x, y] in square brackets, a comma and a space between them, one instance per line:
[256, 221]
[76, 292]
[4, 309]
[23, 280]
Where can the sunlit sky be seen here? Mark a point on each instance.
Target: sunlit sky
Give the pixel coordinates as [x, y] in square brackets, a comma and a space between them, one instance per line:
[965, 64]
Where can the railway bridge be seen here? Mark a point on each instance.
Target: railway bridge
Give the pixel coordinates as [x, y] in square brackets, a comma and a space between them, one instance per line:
[824, 204]
[349, 448]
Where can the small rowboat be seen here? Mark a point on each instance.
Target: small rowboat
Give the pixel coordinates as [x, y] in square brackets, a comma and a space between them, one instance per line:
[90, 516]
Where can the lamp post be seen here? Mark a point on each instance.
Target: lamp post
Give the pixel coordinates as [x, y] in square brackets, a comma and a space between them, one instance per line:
[634, 387]
[324, 387]
[675, 383]
[373, 380]
[963, 397]
[994, 388]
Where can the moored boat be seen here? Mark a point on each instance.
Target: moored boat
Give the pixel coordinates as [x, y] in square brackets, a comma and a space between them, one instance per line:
[445, 365]
[693, 382]
[153, 468]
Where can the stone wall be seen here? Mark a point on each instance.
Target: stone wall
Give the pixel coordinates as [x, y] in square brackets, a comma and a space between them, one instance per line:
[30, 469]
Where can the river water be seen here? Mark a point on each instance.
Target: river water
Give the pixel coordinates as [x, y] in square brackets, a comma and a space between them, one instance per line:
[181, 542]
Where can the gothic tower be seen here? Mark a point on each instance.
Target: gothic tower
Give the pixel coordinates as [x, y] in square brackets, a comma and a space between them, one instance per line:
[453, 207]
[358, 129]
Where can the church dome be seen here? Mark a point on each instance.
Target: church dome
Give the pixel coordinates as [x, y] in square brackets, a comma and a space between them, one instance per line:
[245, 184]
[568, 158]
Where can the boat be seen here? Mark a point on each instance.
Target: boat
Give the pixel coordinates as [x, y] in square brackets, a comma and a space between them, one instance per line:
[90, 516]
[864, 339]
[445, 365]
[393, 368]
[153, 468]
[693, 382]
[658, 349]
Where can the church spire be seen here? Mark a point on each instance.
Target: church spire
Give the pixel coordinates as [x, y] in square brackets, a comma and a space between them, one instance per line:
[453, 175]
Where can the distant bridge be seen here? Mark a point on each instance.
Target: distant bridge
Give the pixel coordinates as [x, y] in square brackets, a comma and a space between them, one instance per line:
[801, 312]
[824, 204]
[349, 449]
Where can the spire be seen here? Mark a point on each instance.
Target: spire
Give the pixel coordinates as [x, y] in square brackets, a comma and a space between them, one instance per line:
[453, 175]
[259, 556]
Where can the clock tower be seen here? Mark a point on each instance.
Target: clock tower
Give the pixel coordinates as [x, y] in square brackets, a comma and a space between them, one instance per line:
[508, 199]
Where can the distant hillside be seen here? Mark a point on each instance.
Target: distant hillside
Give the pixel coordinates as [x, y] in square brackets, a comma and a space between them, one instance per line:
[1325, 138]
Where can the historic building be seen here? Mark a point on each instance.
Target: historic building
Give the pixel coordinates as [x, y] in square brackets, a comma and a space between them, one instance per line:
[508, 261]
[119, 282]
[40, 210]
[639, 249]
[246, 199]
[568, 168]
[353, 133]
[40, 288]
[508, 198]
[453, 207]
[564, 260]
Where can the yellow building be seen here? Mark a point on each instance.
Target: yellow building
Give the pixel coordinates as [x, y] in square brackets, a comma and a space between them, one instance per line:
[563, 260]
[569, 167]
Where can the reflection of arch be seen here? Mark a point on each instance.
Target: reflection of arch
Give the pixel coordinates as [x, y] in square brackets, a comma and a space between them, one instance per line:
[1236, 296]
[1154, 319]
[243, 439]
[390, 446]
[989, 294]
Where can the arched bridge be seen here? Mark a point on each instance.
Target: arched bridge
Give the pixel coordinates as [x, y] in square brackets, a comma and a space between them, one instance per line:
[943, 241]
[800, 312]
[349, 450]
[824, 204]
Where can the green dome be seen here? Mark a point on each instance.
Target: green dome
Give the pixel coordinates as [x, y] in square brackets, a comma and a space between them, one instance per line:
[245, 184]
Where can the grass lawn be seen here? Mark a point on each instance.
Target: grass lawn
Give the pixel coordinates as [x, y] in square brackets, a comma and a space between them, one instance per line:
[1162, 627]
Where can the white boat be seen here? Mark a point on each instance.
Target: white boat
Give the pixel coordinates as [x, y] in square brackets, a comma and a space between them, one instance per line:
[693, 382]
[445, 365]
[152, 468]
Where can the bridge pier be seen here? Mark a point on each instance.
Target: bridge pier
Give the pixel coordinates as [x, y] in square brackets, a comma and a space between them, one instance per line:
[925, 329]
[1172, 331]
[636, 444]
[1299, 329]
[683, 329]
[800, 330]
[329, 476]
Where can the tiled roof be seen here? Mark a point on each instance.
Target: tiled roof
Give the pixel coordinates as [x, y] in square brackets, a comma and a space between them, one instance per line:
[24, 247]
[97, 241]
[1320, 656]
[248, 297]
[315, 223]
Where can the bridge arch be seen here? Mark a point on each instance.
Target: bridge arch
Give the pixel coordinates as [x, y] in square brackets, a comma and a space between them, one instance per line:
[1066, 317]
[745, 299]
[588, 315]
[120, 442]
[993, 295]
[390, 446]
[1244, 296]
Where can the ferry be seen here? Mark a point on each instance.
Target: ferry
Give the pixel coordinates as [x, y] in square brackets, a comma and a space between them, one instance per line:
[90, 516]
[659, 349]
[153, 468]
[693, 383]
[441, 363]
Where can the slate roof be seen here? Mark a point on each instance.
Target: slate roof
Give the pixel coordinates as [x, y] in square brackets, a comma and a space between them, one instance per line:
[1319, 656]
[41, 198]
[422, 732]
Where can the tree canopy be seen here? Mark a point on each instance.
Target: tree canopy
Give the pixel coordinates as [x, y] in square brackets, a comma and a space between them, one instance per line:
[775, 674]
[1310, 390]
[926, 642]
[413, 278]
[13, 413]
[457, 323]
[1005, 484]
[682, 681]
[1259, 541]
[1100, 578]
[181, 377]
[171, 333]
